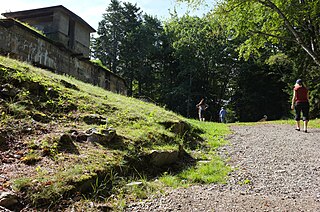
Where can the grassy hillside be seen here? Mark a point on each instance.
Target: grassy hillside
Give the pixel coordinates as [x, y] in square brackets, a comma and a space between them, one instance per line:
[67, 144]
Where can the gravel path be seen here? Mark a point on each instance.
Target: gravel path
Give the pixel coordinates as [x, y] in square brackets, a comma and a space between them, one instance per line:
[277, 169]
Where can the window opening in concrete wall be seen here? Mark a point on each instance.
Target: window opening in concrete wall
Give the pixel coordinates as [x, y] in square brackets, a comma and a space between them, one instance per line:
[71, 34]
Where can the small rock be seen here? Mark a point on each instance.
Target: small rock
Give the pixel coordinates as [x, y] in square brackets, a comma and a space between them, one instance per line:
[8, 199]
[134, 183]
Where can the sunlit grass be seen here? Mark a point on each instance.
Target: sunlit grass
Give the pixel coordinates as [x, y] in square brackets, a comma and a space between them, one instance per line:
[215, 171]
[173, 181]
[139, 128]
[313, 123]
[213, 133]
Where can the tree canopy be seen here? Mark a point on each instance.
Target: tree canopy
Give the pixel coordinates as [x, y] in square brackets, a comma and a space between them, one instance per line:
[244, 55]
[270, 21]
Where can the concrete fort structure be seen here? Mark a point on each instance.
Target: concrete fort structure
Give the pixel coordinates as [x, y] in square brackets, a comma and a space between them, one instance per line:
[63, 47]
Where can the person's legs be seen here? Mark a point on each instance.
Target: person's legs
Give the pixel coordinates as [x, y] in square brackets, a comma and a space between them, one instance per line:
[305, 125]
[298, 109]
[305, 114]
[201, 115]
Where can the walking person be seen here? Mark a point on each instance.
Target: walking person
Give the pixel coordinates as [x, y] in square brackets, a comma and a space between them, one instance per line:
[222, 115]
[202, 106]
[300, 103]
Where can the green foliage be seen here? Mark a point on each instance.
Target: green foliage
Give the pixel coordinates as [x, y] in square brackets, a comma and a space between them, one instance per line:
[49, 145]
[204, 65]
[258, 87]
[133, 48]
[213, 133]
[101, 188]
[106, 47]
[99, 63]
[142, 191]
[284, 31]
[271, 22]
[17, 110]
[55, 174]
[187, 58]
[245, 182]
[213, 169]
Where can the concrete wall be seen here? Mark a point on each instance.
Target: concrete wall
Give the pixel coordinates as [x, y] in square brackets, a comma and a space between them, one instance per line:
[22, 43]
[60, 26]
[44, 24]
[60, 30]
[81, 34]
[82, 39]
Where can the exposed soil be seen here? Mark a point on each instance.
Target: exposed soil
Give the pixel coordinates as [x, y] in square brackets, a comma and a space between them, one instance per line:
[276, 169]
[15, 146]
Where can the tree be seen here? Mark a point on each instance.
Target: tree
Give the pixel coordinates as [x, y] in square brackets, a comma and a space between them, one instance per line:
[202, 64]
[287, 28]
[150, 45]
[106, 46]
[271, 21]
[188, 58]
[127, 44]
[258, 92]
[130, 51]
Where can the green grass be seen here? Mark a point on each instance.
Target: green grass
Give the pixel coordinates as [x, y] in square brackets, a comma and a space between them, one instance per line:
[173, 181]
[140, 127]
[97, 171]
[209, 167]
[313, 123]
[215, 171]
[100, 172]
[213, 133]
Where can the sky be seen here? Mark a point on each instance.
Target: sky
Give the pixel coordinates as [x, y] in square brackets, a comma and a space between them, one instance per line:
[91, 10]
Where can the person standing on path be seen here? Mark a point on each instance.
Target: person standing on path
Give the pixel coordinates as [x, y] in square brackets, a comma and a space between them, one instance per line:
[222, 115]
[202, 106]
[300, 103]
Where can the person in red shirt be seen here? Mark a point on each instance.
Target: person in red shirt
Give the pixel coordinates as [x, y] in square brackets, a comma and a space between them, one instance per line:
[300, 103]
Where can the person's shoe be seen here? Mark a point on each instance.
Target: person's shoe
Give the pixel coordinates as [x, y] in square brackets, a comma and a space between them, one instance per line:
[297, 129]
[305, 131]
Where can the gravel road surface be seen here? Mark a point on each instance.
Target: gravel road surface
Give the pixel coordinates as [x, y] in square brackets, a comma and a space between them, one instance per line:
[276, 169]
